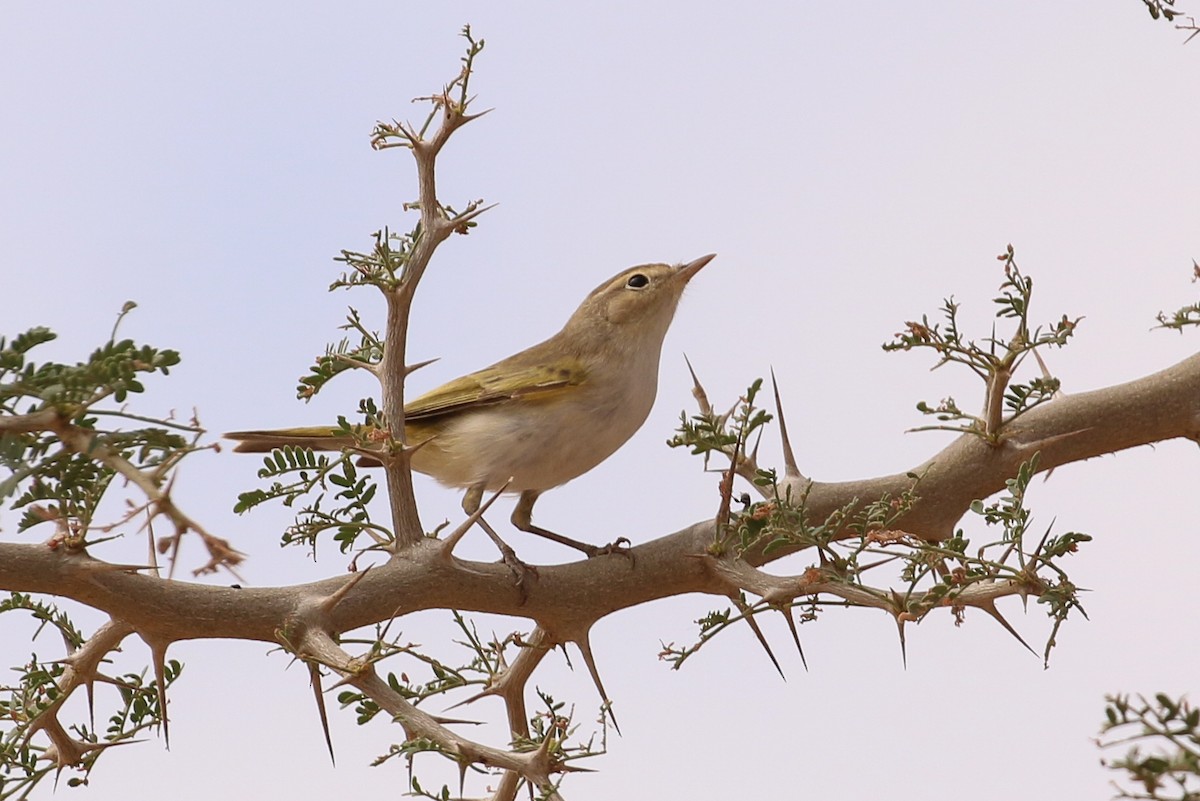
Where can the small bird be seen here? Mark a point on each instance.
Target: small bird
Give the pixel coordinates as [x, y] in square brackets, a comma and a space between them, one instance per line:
[545, 415]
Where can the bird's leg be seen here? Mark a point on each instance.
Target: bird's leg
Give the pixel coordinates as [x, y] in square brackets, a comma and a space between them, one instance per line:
[470, 504]
[520, 570]
[522, 518]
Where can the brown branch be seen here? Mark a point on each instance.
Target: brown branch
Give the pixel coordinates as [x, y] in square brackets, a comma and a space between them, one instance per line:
[533, 766]
[1161, 406]
[434, 229]
[28, 423]
[84, 442]
[83, 670]
[1158, 407]
[571, 597]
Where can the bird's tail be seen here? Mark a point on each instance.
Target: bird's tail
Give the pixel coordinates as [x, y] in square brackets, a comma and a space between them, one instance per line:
[319, 438]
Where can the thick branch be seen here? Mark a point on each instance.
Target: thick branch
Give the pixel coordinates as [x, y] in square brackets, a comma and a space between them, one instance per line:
[418, 724]
[1161, 406]
[434, 229]
[84, 442]
[82, 669]
[28, 423]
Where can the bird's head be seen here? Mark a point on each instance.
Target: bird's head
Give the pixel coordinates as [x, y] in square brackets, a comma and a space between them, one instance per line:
[635, 306]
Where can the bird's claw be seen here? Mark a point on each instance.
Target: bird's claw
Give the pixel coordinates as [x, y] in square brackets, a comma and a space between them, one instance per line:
[619, 547]
[522, 573]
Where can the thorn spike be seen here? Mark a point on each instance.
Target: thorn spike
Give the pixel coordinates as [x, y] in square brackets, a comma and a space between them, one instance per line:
[900, 612]
[585, 649]
[762, 640]
[697, 390]
[788, 615]
[990, 607]
[477, 696]
[158, 654]
[330, 603]
[91, 703]
[791, 470]
[409, 369]
[314, 680]
[754, 452]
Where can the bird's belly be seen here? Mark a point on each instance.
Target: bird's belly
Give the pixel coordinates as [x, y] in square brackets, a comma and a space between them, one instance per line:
[537, 445]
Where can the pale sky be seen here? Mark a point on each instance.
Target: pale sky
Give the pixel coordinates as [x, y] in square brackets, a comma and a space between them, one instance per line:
[851, 166]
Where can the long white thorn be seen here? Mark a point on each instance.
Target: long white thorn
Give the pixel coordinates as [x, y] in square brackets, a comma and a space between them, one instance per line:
[791, 470]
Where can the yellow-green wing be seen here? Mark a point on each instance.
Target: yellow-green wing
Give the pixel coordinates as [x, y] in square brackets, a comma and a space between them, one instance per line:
[497, 384]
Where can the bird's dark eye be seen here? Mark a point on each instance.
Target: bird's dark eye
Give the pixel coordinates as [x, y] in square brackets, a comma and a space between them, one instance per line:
[637, 281]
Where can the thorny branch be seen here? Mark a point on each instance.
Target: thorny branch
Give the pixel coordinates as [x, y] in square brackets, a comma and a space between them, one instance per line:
[908, 521]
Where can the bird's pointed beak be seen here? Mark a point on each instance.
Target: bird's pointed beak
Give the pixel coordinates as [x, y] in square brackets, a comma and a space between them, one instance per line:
[693, 267]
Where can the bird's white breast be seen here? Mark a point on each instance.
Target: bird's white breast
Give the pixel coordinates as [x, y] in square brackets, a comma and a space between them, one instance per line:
[544, 443]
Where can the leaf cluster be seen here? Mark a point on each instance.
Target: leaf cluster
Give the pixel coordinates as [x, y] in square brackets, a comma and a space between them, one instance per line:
[66, 432]
[42, 400]
[1164, 9]
[112, 370]
[994, 359]
[341, 494]
[1162, 761]
[707, 432]
[340, 357]
[453, 100]
[346, 512]
[1188, 315]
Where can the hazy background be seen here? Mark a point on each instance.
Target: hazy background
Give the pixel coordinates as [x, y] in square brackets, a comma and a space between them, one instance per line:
[850, 165]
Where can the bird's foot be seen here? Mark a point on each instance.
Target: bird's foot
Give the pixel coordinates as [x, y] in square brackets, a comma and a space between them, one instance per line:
[523, 574]
[619, 547]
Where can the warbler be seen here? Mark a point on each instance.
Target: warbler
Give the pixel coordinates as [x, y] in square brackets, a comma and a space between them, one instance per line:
[545, 415]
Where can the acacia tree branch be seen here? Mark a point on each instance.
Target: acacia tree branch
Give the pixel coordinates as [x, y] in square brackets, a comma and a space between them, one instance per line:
[83, 441]
[568, 599]
[82, 671]
[435, 227]
[31, 423]
[1158, 407]
[393, 369]
[533, 766]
